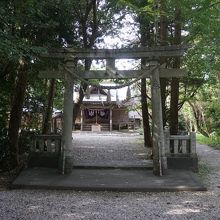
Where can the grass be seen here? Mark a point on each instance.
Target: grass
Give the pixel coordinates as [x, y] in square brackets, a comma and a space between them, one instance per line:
[204, 172]
[213, 141]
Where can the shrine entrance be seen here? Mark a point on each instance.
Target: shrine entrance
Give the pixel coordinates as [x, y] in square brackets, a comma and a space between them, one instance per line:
[68, 59]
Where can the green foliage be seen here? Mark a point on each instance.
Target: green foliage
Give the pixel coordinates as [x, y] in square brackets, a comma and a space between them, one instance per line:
[203, 28]
[140, 7]
[213, 116]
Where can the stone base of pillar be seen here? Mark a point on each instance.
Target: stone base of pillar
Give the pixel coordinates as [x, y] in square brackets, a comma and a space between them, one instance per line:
[161, 167]
[60, 164]
[163, 164]
[68, 165]
[156, 171]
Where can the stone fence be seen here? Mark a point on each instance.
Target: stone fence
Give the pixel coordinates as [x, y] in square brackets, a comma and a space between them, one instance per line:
[45, 151]
[180, 144]
[181, 151]
[46, 143]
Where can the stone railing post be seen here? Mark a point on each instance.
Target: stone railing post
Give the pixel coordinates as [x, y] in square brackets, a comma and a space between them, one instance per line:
[81, 120]
[110, 123]
[193, 142]
[167, 141]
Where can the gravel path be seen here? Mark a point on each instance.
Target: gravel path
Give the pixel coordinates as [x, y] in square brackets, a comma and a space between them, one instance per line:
[44, 204]
[115, 149]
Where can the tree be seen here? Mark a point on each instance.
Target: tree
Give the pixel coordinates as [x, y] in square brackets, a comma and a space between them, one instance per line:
[202, 60]
[145, 23]
[145, 41]
[22, 39]
[49, 107]
[174, 99]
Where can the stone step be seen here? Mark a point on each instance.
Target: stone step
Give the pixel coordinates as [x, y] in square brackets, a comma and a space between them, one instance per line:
[105, 127]
[124, 180]
[88, 127]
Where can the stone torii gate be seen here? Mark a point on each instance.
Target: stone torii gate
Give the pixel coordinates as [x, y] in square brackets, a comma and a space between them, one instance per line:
[69, 72]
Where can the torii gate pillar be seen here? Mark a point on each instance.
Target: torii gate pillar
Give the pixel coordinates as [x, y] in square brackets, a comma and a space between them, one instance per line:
[159, 159]
[67, 125]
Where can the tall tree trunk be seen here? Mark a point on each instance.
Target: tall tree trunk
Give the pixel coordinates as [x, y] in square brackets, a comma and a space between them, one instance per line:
[145, 41]
[78, 104]
[174, 106]
[145, 115]
[163, 88]
[82, 90]
[175, 81]
[163, 42]
[16, 115]
[49, 107]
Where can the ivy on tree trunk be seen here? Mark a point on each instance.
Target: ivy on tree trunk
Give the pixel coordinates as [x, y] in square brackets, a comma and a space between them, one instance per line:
[49, 107]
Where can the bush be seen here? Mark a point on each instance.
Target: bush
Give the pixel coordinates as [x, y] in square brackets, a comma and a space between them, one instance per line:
[24, 144]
